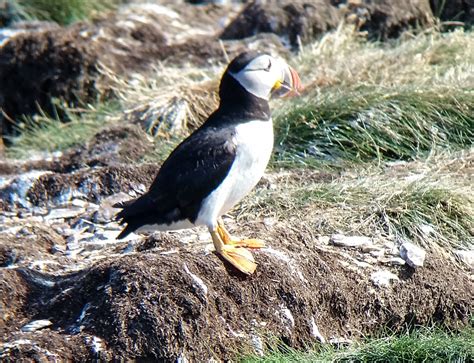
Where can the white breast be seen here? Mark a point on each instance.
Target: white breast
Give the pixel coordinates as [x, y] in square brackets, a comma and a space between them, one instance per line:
[254, 142]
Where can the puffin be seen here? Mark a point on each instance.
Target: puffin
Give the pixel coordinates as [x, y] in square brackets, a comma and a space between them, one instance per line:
[220, 162]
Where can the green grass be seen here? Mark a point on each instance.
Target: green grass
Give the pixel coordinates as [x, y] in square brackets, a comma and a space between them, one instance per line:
[374, 124]
[44, 133]
[369, 102]
[63, 12]
[421, 345]
[403, 212]
[433, 207]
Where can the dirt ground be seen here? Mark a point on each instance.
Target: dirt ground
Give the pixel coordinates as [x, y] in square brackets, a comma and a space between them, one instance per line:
[168, 296]
[171, 301]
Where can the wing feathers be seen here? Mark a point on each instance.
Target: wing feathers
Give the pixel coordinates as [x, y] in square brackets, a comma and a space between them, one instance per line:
[195, 168]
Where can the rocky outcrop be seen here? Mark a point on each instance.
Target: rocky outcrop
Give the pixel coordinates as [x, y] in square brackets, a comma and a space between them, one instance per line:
[303, 20]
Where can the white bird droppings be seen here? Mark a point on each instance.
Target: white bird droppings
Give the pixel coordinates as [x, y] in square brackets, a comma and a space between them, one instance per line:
[287, 316]
[196, 279]
[96, 344]
[315, 331]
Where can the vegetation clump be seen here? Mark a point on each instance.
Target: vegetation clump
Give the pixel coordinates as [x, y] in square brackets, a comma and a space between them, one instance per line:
[63, 12]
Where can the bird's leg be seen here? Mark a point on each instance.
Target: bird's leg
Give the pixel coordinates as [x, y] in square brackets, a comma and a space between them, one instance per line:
[228, 240]
[239, 257]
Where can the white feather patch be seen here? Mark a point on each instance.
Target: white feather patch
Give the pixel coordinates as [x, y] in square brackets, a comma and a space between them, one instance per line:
[254, 142]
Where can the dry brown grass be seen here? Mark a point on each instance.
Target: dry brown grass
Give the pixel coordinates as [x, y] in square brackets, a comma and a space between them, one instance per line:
[168, 100]
[345, 59]
[427, 202]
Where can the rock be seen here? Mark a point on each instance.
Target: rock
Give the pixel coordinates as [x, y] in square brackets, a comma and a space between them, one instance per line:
[351, 241]
[467, 257]
[376, 253]
[412, 254]
[391, 248]
[324, 240]
[36, 325]
[382, 278]
[64, 213]
[84, 225]
[426, 229]
[339, 342]
[394, 261]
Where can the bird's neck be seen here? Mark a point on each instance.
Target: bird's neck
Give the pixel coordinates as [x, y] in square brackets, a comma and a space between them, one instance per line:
[236, 102]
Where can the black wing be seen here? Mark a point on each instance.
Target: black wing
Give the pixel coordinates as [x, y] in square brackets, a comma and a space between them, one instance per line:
[191, 172]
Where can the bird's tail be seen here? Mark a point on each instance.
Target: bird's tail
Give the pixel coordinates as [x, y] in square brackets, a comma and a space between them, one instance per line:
[128, 215]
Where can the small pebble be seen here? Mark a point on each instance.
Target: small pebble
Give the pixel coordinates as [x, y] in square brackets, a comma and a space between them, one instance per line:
[350, 241]
[36, 325]
[466, 257]
[64, 213]
[412, 254]
[382, 278]
[394, 261]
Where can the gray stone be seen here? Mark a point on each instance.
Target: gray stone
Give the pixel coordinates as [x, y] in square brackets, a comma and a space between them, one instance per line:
[382, 278]
[350, 241]
[412, 254]
[467, 257]
[394, 261]
[36, 325]
[64, 213]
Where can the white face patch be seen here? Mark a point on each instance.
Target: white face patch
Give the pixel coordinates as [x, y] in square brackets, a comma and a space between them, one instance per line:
[261, 74]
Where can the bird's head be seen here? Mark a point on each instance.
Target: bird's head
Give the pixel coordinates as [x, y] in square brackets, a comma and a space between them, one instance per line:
[264, 76]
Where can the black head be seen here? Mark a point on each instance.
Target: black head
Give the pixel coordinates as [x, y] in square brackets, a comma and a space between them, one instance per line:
[260, 75]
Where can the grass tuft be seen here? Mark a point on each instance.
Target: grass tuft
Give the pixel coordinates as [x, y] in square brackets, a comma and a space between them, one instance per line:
[373, 123]
[372, 102]
[429, 203]
[421, 345]
[429, 215]
[44, 133]
[63, 12]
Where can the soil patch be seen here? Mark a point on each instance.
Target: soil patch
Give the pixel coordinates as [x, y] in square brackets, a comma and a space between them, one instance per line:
[294, 20]
[454, 10]
[119, 144]
[90, 184]
[46, 63]
[303, 21]
[162, 306]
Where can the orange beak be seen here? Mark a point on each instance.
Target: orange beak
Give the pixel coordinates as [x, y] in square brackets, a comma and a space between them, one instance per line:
[290, 86]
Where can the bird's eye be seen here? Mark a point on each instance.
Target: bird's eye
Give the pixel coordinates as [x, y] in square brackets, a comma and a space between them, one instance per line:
[267, 69]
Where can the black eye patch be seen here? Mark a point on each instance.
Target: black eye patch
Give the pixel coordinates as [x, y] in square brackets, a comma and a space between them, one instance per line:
[267, 69]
